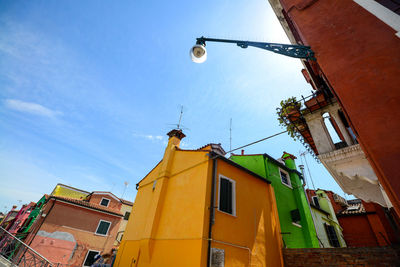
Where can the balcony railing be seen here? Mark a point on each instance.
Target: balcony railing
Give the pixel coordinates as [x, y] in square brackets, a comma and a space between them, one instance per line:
[17, 253]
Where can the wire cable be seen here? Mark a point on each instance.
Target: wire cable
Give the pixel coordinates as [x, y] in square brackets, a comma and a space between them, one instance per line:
[256, 141]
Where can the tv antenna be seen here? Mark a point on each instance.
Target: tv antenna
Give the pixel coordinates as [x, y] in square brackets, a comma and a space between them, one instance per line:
[126, 183]
[230, 135]
[180, 118]
[179, 125]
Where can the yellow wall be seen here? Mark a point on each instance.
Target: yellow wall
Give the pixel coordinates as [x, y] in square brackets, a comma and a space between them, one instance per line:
[170, 224]
[64, 191]
[254, 233]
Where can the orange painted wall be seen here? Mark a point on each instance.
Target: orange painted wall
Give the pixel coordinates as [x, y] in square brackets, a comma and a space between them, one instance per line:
[113, 204]
[81, 223]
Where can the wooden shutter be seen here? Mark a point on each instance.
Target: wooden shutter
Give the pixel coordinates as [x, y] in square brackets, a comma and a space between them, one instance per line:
[226, 194]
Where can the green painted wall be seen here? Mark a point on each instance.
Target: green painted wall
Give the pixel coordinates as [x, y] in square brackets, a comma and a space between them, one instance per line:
[287, 199]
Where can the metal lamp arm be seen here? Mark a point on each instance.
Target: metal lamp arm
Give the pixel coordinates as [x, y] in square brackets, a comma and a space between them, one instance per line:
[296, 51]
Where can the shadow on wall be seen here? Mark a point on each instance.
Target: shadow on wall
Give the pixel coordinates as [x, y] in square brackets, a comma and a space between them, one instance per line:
[57, 247]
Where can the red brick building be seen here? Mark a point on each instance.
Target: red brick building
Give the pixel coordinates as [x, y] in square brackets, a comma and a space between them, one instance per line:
[356, 44]
[72, 231]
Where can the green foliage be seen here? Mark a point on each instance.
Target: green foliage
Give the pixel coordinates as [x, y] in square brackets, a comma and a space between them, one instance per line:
[288, 106]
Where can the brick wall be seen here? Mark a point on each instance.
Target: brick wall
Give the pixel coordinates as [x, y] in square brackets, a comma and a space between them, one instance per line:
[375, 256]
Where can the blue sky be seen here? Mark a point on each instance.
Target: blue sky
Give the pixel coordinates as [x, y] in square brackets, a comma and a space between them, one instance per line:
[89, 88]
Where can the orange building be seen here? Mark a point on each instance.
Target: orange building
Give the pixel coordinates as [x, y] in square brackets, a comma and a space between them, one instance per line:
[198, 208]
[356, 45]
[72, 231]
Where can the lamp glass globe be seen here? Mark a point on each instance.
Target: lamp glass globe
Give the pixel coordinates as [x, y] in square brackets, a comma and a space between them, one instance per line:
[198, 53]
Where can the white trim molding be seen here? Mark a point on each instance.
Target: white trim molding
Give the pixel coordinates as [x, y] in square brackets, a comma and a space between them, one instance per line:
[384, 14]
[106, 193]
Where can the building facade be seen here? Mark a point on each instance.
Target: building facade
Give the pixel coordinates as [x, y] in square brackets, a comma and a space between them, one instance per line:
[72, 231]
[20, 218]
[197, 208]
[368, 225]
[126, 210]
[329, 231]
[357, 63]
[297, 226]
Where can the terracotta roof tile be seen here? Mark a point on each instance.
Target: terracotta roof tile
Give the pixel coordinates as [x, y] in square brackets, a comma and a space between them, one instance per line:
[353, 209]
[88, 204]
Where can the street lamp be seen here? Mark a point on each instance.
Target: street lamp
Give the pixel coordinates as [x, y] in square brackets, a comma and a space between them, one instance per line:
[198, 53]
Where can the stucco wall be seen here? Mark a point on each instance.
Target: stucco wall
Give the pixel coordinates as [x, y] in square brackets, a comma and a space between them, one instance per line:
[68, 232]
[286, 199]
[364, 76]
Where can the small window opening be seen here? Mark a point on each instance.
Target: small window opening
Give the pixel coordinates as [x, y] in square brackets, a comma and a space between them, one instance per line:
[226, 195]
[316, 202]
[102, 228]
[285, 178]
[104, 202]
[295, 215]
[332, 236]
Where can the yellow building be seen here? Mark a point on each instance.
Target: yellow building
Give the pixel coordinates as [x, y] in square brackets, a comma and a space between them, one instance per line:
[197, 208]
[69, 191]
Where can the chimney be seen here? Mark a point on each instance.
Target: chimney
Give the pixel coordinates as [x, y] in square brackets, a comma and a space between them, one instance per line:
[242, 152]
[175, 137]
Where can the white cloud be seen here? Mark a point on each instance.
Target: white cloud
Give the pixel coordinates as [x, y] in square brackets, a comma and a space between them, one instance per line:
[31, 108]
[154, 138]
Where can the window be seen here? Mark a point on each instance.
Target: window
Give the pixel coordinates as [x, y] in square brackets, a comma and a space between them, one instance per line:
[89, 260]
[126, 216]
[316, 202]
[285, 178]
[295, 215]
[104, 202]
[227, 195]
[332, 236]
[102, 228]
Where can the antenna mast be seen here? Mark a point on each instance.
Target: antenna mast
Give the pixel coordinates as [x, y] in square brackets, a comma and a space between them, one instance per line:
[230, 135]
[180, 117]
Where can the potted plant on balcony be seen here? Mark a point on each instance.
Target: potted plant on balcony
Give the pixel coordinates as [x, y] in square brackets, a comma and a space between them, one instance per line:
[289, 116]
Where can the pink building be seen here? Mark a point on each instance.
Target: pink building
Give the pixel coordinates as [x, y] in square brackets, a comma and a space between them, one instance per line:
[20, 218]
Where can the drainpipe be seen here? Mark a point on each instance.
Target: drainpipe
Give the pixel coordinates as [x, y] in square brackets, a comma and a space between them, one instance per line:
[212, 211]
[308, 202]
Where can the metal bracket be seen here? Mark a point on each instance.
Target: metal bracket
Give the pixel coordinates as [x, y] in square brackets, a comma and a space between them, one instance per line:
[296, 51]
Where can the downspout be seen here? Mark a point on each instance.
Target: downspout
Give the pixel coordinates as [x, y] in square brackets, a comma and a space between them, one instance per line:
[308, 202]
[212, 211]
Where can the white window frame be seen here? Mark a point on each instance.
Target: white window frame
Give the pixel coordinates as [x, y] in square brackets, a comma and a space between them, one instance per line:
[99, 225]
[288, 177]
[87, 254]
[108, 203]
[233, 194]
[297, 225]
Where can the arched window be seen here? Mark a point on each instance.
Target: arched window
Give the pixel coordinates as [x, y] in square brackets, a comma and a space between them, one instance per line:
[333, 131]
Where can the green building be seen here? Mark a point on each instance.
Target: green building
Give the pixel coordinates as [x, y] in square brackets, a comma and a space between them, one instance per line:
[297, 226]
